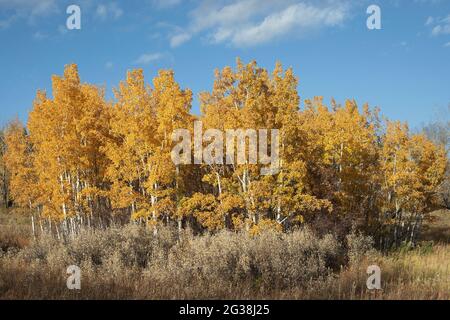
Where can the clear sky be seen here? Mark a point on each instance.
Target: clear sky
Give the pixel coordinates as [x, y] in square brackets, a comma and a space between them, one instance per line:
[404, 68]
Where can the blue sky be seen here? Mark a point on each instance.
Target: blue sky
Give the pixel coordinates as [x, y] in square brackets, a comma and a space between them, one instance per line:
[404, 68]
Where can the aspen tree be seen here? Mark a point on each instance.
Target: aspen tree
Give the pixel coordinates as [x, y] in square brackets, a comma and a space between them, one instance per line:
[20, 163]
[4, 175]
[413, 168]
[131, 144]
[83, 161]
[68, 133]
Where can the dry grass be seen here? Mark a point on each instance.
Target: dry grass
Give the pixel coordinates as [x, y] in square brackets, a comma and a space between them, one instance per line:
[405, 276]
[225, 266]
[14, 231]
[130, 263]
[437, 227]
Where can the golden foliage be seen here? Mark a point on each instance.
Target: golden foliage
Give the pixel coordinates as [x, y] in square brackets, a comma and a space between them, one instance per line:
[81, 156]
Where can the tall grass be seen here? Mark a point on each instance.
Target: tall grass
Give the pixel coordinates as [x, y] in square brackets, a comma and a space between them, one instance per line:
[131, 263]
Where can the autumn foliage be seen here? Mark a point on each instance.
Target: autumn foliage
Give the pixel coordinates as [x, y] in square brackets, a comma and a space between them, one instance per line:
[83, 161]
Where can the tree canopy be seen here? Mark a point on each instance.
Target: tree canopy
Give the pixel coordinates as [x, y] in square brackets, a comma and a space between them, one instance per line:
[84, 161]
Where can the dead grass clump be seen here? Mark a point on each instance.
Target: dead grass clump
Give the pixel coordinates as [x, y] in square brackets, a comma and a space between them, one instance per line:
[132, 263]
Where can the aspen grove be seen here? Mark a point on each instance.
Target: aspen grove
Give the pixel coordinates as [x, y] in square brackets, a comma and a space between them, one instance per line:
[85, 162]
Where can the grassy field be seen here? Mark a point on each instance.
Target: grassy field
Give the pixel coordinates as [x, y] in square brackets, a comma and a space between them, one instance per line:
[130, 263]
[437, 228]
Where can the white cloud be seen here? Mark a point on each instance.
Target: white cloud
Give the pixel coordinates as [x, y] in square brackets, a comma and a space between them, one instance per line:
[179, 39]
[7, 22]
[35, 7]
[28, 9]
[296, 17]
[441, 26]
[252, 22]
[440, 30]
[109, 65]
[429, 1]
[62, 30]
[147, 58]
[110, 10]
[39, 35]
[164, 4]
